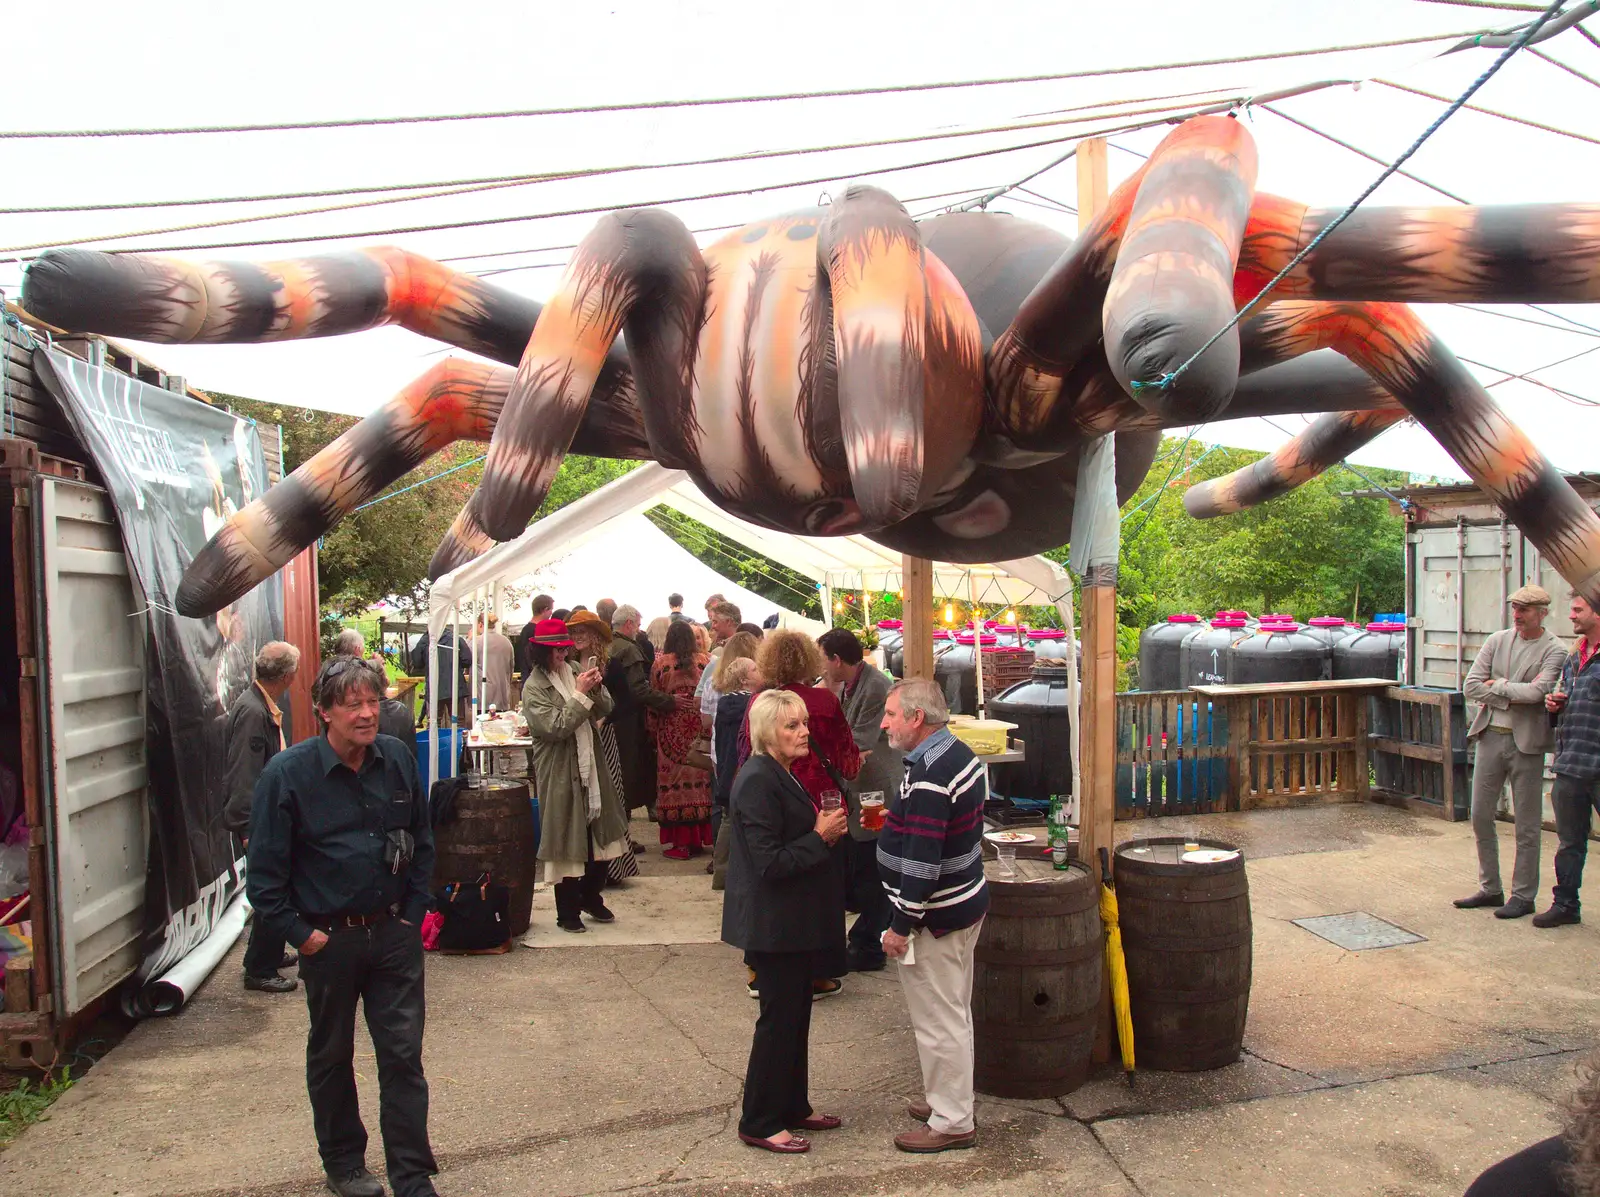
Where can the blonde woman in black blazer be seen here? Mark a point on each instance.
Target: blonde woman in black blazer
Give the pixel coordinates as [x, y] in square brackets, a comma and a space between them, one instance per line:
[784, 907]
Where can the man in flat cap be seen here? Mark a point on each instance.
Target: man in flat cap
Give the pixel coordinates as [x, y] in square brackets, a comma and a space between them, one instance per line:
[1513, 672]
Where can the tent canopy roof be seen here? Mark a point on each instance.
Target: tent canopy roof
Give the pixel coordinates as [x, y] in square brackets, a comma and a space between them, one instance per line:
[841, 562]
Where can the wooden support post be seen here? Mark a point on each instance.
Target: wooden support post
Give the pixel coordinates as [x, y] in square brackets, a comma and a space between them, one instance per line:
[1098, 744]
[917, 617]
[1097, 804]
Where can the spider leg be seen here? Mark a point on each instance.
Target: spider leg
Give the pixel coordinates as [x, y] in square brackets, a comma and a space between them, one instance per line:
[1165, 240]
[455, 400]
[1515, 253]
[908, 353]
[1396, 348]
[640, 270]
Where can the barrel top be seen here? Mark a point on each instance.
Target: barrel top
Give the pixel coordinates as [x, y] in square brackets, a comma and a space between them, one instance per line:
[1162, 855]
[1036, 874]
[497, 784]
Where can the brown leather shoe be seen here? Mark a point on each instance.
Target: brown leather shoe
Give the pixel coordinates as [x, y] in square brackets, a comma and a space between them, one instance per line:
[925, 1141]
[920, 1110]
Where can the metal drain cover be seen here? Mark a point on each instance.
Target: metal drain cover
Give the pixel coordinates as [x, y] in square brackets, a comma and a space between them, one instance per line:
[1359, 931]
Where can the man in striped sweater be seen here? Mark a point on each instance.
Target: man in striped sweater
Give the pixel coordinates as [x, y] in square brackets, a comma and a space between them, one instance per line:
[930, 856]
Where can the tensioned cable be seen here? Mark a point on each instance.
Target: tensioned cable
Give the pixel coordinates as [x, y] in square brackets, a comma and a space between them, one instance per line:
[1571, 70]
[563, 174]
[594, 172]
[773, 97]
[1505, 116]
[421, 482]
[610, 207]
[1522, 39]
[1580, 332]
[1326, 136]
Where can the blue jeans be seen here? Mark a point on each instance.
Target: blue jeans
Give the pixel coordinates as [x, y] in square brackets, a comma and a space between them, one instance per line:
[1574, 801]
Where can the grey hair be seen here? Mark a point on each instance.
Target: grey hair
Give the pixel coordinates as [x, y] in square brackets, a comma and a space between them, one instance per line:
[276, 661]
[341, 676]
[624, 614]
[350, 643]
[921, 694]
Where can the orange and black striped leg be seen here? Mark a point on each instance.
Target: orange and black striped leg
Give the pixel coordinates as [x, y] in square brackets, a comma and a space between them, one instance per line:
[1326, 442]
[1172, 287]
[638, 271]
[455, 400]
[1392, 344]
[1523, 253]
[909, 356]
[1201, 169]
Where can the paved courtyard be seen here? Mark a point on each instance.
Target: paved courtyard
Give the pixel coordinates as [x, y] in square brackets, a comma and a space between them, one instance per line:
[612, 1062]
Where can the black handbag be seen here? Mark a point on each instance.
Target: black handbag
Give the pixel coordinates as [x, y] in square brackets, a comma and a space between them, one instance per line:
[476, 917]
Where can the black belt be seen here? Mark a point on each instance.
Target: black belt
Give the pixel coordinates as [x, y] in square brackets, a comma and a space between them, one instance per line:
[340, 922]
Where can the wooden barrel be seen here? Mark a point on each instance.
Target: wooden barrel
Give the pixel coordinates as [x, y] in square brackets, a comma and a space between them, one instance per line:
[1186, 936]
[1036, 988]
[492, 832]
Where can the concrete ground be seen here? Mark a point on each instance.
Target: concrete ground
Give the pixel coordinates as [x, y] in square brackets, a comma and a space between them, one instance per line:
[612, 1062]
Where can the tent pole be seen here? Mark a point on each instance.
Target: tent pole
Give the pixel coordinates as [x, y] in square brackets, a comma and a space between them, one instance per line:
[431, 651]
[827, 604]
[977, 640]
[917, 574]
[455, 678]
[476, 687]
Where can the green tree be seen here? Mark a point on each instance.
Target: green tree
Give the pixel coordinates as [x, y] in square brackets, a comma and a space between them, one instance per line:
[382, 551]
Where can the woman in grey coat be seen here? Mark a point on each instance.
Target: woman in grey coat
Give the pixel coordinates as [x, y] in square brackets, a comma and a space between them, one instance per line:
[582, 820]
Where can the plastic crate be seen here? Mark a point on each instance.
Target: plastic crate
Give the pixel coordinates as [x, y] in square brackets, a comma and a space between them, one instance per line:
[1005, 667]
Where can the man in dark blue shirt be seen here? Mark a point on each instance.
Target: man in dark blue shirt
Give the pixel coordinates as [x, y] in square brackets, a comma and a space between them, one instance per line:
[340, 857]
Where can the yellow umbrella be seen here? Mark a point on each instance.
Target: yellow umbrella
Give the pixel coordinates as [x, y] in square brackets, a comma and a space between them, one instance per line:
[1116, 966]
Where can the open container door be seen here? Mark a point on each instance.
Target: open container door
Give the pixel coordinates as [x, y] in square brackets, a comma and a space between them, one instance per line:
[92, 660]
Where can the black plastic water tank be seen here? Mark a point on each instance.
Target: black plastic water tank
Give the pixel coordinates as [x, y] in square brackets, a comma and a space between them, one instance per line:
[943, 672]
[1278, 652]
[1041, 710]
[1330, 629]
[1203, 655]
[891, 639]
[1158, 652]
[962, 665]
[1374, 652]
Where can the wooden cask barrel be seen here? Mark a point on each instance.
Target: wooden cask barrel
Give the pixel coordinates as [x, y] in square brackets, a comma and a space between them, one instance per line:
[1186, 937]
[492, 832]
[1036, 983]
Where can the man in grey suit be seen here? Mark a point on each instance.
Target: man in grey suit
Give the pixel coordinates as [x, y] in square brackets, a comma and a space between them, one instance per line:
[862, 692]
[1513, 672]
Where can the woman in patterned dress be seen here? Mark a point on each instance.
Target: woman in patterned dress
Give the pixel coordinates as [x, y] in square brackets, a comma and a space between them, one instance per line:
[683, 783]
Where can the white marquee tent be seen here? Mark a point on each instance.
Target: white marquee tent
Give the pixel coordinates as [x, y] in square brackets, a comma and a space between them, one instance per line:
[602, 532]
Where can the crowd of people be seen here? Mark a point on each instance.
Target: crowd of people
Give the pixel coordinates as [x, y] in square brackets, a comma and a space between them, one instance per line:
[812, 783]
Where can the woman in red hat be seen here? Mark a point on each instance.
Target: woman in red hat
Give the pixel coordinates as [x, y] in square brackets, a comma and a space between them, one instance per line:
[583, 822]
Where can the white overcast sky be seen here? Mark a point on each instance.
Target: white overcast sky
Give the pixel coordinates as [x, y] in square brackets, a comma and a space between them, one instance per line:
[162, 64]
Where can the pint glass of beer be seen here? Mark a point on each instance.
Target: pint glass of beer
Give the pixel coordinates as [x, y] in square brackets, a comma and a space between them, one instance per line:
[872, 811]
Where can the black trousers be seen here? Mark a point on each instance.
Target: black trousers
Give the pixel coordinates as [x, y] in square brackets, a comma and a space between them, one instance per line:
[381, 967]
[1574, 802]
[869, 899]
[576, 893]
[263, 952]
[775, 1081]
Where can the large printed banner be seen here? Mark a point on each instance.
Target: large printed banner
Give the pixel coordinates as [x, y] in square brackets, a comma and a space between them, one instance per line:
[177, 469]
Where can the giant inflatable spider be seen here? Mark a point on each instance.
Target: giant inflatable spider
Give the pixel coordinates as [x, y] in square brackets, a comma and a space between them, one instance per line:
[844, 369]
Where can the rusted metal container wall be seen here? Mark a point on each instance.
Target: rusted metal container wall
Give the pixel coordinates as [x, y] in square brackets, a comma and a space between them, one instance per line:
[301, 629]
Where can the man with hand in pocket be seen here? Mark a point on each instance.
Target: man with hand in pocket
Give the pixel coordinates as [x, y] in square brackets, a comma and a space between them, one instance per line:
[340, 858]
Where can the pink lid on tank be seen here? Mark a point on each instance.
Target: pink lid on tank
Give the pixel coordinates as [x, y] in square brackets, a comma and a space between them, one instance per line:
[1386, 627]
[1005, 629]
[1327, 621]
[1183, 618]
[968, 638]
[1287, 625]
[940, 634]
[891, 624]
[1278, 617]
[1231, 615]
[1228, 621]
[1048, 634]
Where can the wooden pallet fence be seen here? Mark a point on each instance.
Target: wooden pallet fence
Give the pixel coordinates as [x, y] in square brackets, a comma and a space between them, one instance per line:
[1297, 744]
[1172, 754]
[1419, 747]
